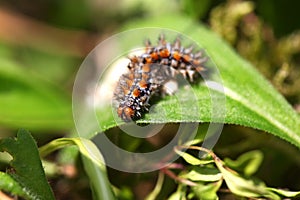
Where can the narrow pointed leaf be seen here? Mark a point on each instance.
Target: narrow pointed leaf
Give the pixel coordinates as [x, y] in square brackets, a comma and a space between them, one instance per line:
[248, 162]
[285, 193]
[204, 174]
[242, 186]
[192, 159]
[93, 164]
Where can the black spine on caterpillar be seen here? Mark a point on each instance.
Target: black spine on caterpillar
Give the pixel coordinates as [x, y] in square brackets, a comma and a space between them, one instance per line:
[136, 87]
[149, 71]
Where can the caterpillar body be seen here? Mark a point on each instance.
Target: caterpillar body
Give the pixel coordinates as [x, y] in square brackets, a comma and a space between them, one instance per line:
[150, 71]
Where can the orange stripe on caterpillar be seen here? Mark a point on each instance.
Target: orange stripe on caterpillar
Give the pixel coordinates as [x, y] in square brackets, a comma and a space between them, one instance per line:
[150, 71]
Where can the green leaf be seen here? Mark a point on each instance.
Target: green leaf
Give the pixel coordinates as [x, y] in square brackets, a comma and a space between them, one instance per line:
[191, 159]
[285, 193]
[193, 142]
[208, 191]
[248, 162]
[93, 164]
[237, 184]
[96, 171]
[205, 174]
[179, 194]
[244, 186]
[196, 9]
[27, 100]
[8, 184]
[27, 167]
[250, 99]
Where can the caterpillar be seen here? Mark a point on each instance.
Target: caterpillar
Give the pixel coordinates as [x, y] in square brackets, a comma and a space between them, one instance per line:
[150, 71]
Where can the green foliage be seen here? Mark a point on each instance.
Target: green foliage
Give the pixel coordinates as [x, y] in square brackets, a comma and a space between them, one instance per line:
[28, 101]
[27, 172]
[93, 164]
[248, 163]
[27, 178]
[206, 191]
[196, 9]
[35, 92]
[250, 100]
[208, 177]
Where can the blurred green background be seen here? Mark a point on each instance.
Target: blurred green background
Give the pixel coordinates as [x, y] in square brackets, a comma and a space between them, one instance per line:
[42, 44]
